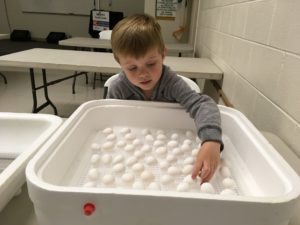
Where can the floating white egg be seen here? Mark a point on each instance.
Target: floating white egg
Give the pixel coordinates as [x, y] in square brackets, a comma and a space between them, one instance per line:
[138, 167]
[188, 160]
[158, 143]
[129, 148]
[150, 160]
[119, 167]
[166, 179]
[107, 145]
[188, 179]
[153, 186]
[172, 144]
[182, 187]
[224, 170]
[137, 142]
[171, 158]
[176, 151]
[129, 137]
[146, 148]
[138, 185]
[95, 146]
[147, 176]
[174, 136]
[207, 188]
[161, 150]
[139, 154]
[127, 178]
[146, 131]
[185, 148]
[107, 130]
[131, 160]
[164, 164]
[161, 137]
[158, 132]
[111, 137]
[149, 138]
[195, 152]
[118, 158]
[125, 130]
[108, 179]
[187, 169]
[187, 142]
[190, 134]
[93, 174]
[121, 144]
[228, 183]
[95, 159]
[173, 170]
[106, 158]
[227, 192]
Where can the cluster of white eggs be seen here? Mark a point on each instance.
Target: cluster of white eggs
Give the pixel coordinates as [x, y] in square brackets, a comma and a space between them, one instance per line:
[123, 157]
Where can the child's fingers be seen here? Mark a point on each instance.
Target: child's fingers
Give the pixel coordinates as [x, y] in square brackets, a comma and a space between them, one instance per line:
[197, 168]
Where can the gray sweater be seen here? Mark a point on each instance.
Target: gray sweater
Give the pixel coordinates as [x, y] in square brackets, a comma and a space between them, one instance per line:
[171, 88]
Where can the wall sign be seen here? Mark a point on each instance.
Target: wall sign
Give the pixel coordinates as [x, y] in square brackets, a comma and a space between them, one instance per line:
[166, 9]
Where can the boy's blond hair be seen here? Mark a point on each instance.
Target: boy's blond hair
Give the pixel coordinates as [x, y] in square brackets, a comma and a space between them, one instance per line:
[135, 35]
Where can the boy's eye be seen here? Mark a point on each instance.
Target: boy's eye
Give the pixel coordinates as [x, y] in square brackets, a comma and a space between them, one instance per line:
[151, 64]
[132, 68]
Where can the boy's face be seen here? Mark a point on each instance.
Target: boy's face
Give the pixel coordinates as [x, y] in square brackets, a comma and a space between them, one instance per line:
[143, 72]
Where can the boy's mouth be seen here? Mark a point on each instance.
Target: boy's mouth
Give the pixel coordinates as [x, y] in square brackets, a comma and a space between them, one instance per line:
[145, 82]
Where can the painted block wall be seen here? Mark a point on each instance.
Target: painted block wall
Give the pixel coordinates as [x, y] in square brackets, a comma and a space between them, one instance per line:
[257, 45]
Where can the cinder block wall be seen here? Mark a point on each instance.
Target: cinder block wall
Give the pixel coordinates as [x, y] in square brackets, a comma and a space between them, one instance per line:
[257, 45]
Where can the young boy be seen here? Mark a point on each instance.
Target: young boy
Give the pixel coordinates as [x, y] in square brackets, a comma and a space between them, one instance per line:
[138, 47]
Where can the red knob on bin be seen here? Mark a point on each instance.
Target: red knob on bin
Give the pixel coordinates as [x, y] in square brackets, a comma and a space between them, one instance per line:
[88, 209]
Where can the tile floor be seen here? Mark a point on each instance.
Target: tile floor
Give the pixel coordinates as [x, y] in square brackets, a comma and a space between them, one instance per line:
[15, 96]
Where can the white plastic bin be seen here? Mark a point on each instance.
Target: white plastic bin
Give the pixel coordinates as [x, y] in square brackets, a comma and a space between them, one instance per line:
[65, 189]
[21, 135]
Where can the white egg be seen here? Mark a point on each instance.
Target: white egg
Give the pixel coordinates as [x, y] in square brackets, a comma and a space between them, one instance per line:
[147, 176]
[224, 170]
[106, 158]
[190, 134]
[117, 159]
[173, 170]
[188, 179]
[131, 160]
[188, 160]
[185, 148]
[228, 183]
[172, 144]
[153, 186]
[161, 151]
[137, 142]
[166, 179]
[93, 174]
[187, 142]
[138, 154]
[95, 146]
[187, 169]
[138, 185]
[89, 184]
[121, 144]
[129, 148]
[150, 160]
[127, 178]
[108, 179]
[125, 130]
[146, 148]
[174, 136]
[119, 167]
[182, 187]
[161, 137]
[149, 138]
[138, 167]
[146, 131]
[107, 130]
[207, 188]
[227, 192]
[171, 158]
[107, 145]
[195, 152]
[176, 151]
[111, 137]
[95, 159]
[158, 143]
[129, 137]
[164, 164]
[160, 132]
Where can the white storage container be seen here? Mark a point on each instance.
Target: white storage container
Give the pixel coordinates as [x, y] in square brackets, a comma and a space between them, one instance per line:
[73, 181]
[21, 135]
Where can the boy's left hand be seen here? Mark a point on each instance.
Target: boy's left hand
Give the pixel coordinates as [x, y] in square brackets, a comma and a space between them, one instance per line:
[207, 161]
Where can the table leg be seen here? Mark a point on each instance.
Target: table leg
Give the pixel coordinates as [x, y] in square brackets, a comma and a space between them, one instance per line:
[33, 89]
[4, 78]
[46, 91]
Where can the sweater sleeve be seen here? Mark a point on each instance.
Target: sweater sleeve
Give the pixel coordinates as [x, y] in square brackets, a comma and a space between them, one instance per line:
[201, 108]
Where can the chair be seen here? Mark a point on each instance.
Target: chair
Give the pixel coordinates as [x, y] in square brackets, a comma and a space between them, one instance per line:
[193, 85]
